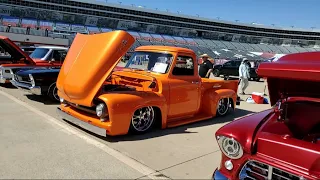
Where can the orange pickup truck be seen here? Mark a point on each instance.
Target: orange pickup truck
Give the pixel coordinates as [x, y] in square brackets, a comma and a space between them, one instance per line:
[159, 85]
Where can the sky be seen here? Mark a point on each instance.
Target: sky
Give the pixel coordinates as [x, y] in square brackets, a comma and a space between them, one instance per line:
[281, 13]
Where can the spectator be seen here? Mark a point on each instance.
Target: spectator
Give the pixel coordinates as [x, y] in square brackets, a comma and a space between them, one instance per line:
[244, 75]
[206, 67]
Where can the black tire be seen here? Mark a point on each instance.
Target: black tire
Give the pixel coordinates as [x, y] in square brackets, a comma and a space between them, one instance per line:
[216, 73]
[223, 106]
[53, 92]
[140, 116]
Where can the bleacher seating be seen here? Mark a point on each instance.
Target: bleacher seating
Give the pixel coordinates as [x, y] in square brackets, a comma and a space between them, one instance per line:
[10, 21]
[145, 36]
[179, 40]
[169, 39]
[31, 23]
[93, 30]
[214, 48]
[134, 34]
[157, 37]
[62, 27]
[105, 30]
[78, 28]
[46, 25]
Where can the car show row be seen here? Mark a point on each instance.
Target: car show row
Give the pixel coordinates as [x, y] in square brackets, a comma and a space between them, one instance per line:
[160, 87]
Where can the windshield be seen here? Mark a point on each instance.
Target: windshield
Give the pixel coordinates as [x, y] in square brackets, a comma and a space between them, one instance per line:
[150, 61]
[39, 53]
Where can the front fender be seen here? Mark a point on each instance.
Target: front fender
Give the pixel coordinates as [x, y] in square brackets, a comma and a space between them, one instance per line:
[122, 105]
[244, 129]
[212, 96]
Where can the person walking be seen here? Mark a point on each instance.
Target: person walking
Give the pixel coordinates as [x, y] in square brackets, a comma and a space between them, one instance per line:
[206, 67]
[244, 75]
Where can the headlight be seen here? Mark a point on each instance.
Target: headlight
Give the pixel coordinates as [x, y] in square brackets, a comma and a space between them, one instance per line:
[230, 147]
[32, 80]
[101, 111]
[61, 99]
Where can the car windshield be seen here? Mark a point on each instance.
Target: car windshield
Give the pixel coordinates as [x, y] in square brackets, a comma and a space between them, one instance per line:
[150, 61]
[39, 53]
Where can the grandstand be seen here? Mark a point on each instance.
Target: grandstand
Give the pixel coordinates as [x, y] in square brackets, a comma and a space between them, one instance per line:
[57, 22]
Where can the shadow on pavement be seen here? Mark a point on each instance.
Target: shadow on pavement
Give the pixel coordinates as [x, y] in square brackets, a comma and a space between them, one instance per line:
[176, 130]
[41, 99]
[8, 85]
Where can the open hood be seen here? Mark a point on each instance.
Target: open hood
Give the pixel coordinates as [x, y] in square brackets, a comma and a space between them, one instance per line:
[292, 75]
[14, 50]
[90, 60]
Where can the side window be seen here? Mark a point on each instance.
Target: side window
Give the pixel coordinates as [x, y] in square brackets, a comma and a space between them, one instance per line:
[228, 64]
[59, 55]
[184, 66]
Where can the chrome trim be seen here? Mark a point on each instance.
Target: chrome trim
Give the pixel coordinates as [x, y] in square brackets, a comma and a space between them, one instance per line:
[217, 175]
[27, 87]
[67, 117]
[269, 171]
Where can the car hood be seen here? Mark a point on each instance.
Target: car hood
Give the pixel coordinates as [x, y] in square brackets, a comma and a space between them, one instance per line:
[38, 71]
[90, 60]
[14, 50]
[292, 75]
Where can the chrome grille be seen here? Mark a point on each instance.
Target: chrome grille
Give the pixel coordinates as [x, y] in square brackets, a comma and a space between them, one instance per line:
[254, 170]
[22, 79]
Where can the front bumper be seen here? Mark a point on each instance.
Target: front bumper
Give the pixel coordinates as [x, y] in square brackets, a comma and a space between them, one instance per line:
[217, 175]
[89, 127]
[28, 88]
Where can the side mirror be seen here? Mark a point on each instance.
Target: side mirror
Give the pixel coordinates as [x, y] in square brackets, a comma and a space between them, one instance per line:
[52, 60]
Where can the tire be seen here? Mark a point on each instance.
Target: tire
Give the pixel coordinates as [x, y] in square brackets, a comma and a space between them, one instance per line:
[223, 107]
[145, 115]
[53, 93]
[216, 73]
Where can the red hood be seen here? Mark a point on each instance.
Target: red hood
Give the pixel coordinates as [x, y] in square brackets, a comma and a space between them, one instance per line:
[292, 75]
[244, 129]
[15, 52]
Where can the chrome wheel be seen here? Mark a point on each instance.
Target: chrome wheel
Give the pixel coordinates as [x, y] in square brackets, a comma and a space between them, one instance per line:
[142, 119]
[223, 106]
[55, 93]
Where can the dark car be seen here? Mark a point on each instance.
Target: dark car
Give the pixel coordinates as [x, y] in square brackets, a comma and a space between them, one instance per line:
[231, 68]
[38, 81]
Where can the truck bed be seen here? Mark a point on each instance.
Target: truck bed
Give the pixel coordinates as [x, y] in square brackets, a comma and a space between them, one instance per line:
[219, 84]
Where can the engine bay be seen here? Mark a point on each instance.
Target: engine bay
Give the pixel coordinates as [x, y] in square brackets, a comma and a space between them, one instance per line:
[299, 120]
[126, 83]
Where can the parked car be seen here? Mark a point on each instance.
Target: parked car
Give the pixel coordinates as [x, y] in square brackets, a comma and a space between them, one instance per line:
[42, 56]
[159, 85]
[284, 141]
[40, 81]
[28, 49]
[231, 68]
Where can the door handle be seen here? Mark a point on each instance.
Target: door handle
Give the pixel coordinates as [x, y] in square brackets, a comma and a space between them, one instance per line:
[195, 82]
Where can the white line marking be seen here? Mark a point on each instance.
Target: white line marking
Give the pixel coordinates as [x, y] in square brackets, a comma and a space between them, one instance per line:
[143, 169]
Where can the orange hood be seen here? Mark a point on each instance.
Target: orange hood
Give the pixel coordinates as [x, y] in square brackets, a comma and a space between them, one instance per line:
[90, 60]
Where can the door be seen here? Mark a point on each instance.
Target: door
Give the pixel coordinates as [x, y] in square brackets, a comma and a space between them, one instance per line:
[227, 68]
[184, 86]
[57, 57]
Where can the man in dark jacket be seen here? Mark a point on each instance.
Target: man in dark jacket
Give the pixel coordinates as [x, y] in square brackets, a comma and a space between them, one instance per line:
[206, 67]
